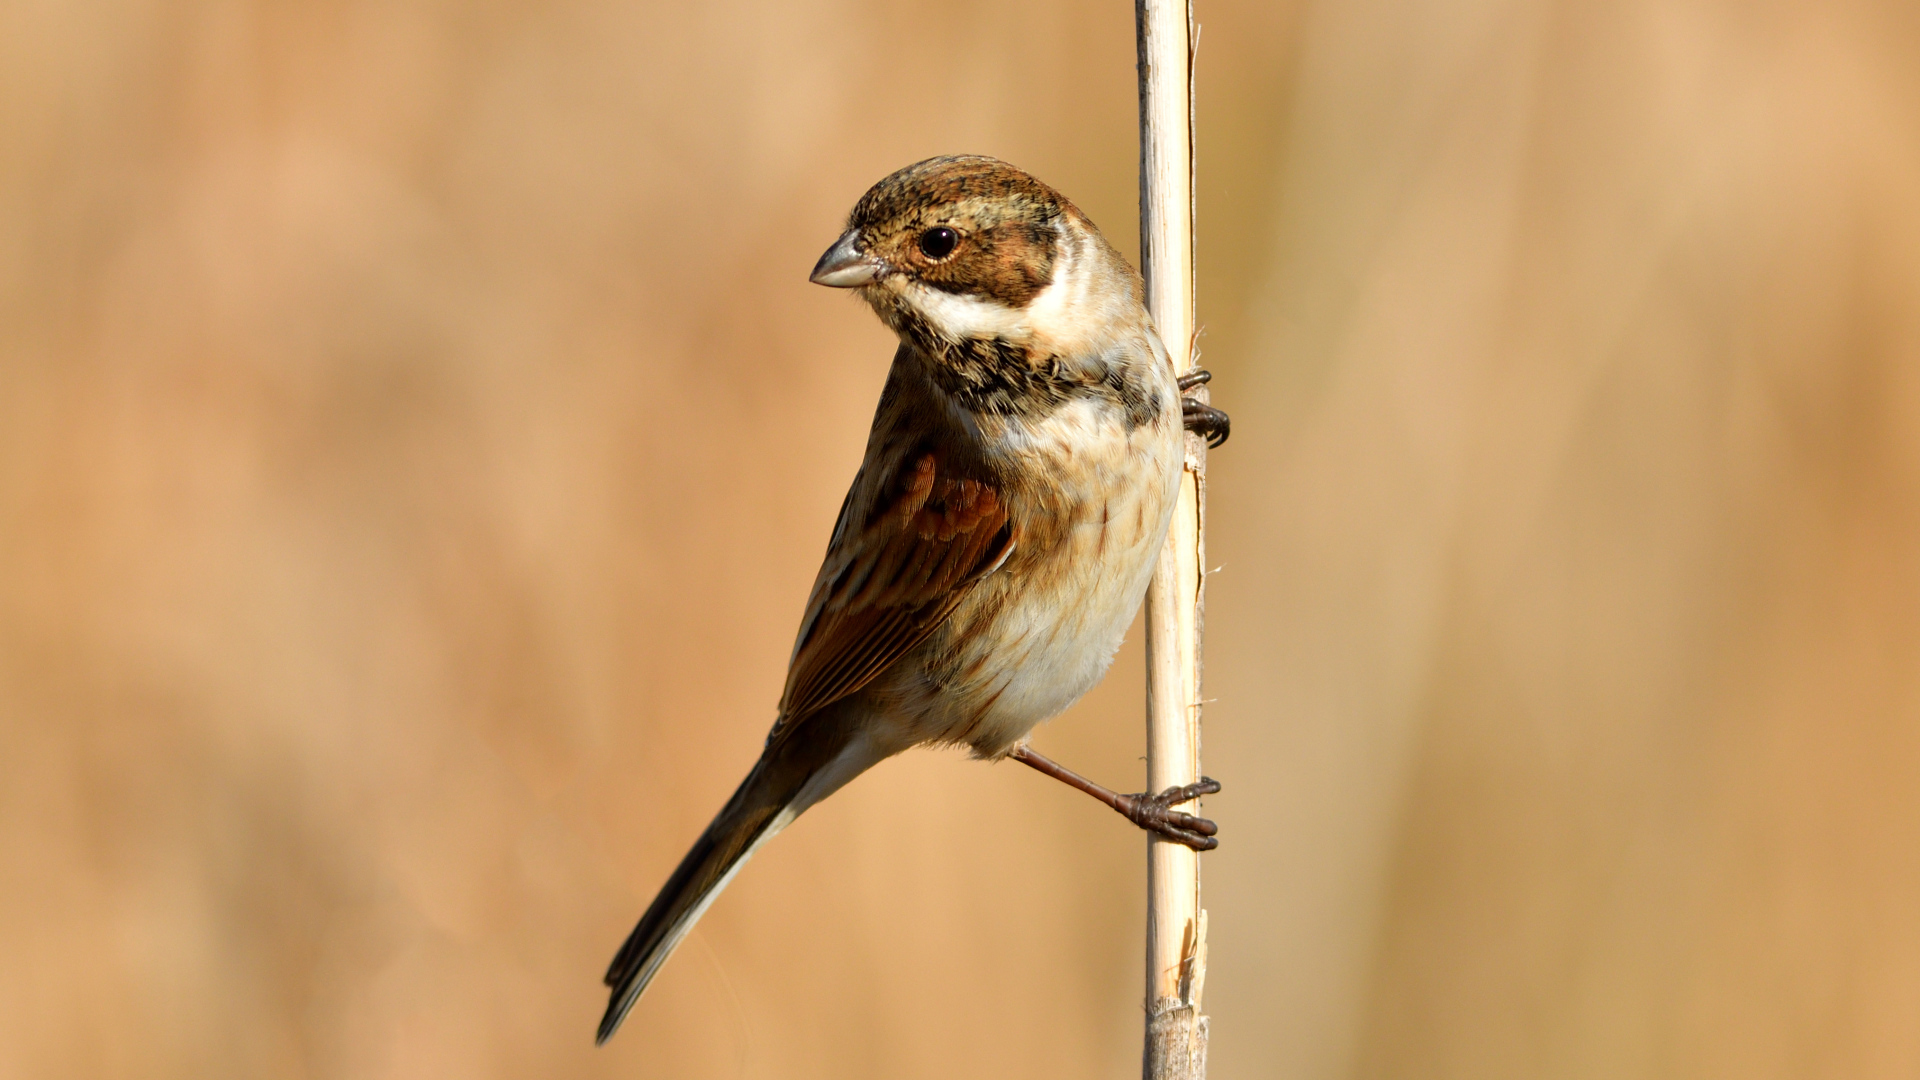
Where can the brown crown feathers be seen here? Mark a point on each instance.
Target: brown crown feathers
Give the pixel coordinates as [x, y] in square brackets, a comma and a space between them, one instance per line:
[1004, 221]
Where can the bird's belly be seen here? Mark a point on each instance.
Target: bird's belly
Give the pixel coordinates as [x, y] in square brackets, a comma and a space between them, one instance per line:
[1030, 640]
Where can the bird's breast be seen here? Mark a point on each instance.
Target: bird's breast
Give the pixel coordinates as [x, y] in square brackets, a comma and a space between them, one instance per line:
[1089, 493]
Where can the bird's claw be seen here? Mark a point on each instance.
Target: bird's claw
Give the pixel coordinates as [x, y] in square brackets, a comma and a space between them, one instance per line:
[1203, 420]
[1206, 421]
[1155, 814]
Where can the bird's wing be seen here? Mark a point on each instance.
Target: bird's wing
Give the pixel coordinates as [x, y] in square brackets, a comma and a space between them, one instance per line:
[889, 582]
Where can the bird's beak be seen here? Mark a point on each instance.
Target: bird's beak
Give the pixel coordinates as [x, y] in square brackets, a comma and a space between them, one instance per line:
[845, 266]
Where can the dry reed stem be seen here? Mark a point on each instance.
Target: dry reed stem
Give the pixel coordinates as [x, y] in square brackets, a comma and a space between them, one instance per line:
[1176, 1041]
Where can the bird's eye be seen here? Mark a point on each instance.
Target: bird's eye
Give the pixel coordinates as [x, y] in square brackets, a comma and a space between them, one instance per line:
[938, 243]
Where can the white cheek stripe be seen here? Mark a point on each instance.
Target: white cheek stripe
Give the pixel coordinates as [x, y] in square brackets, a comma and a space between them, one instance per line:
[957, 316]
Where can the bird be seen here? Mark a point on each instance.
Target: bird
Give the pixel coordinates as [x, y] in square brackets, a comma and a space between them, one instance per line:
[997, 540]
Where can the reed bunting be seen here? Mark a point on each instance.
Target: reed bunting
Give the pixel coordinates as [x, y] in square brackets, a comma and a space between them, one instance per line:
[997, 540]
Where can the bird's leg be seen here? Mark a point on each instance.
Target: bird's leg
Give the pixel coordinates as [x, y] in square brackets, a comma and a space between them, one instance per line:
[1153, 813]
[1203, 420]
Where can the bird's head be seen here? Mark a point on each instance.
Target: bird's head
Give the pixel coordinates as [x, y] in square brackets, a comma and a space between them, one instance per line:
[970, 247]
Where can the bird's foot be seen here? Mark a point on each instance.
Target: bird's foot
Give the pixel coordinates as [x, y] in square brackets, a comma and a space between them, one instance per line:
[1203, 420]
[1156, 814]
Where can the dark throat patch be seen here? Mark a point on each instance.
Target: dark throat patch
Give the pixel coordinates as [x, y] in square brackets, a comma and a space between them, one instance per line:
[996, 377]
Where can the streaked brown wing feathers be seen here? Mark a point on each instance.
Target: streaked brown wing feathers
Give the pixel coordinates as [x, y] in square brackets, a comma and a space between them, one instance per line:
[885, 587]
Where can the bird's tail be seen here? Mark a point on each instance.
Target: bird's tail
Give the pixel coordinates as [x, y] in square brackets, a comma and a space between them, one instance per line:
[792, 774]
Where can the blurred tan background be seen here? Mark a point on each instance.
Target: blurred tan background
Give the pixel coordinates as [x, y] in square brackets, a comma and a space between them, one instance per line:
[417, 437]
